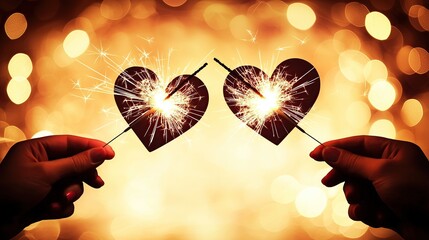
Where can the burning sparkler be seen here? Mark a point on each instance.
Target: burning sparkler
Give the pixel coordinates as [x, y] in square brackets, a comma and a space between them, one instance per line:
[168, 109]
[263, 103]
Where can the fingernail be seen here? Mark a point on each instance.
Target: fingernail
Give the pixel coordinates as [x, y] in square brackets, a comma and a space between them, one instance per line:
[70, 196]
[100, 181]
[331, 154]
[315, 154]
[109, 151]
[97, 155]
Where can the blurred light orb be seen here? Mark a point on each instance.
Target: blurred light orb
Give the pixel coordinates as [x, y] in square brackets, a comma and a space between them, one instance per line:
[300, 16]
[382, 95]
[412, 112]
[355, 13]
[311, 202]
[378, 25]
[20, 65]
[115, 10]
[18, 90]
[15, 25]
[42, 133]
[273, 217]
[352, 64]
[403, 60]
[174, 3]
[418, 59]
[340, 214]
[284, 189]
[357, 230]
[76, 43]
[14, 133]
[383, 128]
[374, 70]
[358, 114]
[218, 16]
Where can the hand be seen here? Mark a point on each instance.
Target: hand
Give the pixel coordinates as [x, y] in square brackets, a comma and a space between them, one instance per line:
[386, 182]
[41, 178]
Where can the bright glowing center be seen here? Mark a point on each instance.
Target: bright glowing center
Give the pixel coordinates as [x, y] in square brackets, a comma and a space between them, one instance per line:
[267, 105]
[160, 104]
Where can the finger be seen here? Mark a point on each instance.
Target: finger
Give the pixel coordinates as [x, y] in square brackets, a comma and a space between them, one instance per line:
[316, 154]
[374, 215]
[67, 145]
[73, 192]
[58, 211]
[358, 191]
[77, 164]
[369, 146]
[92, 179]
[350, 164]
[333, 178]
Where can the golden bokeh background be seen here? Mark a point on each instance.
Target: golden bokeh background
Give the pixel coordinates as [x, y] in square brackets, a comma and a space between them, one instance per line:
[219, 180]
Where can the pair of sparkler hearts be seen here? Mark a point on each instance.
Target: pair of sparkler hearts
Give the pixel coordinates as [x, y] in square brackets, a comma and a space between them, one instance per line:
[271, 106]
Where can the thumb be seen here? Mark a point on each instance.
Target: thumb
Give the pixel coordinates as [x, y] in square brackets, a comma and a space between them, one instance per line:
[351, 164]
[77, 164]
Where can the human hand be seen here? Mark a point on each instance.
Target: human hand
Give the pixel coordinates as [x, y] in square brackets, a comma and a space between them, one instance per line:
[386, 182]
[41, 178]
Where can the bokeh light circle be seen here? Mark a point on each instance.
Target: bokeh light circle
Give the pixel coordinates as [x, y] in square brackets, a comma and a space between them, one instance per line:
[174, 3]
[284, 189]
[300, 16]
[412, 112]
[378, 25]
[375, 70]
[383, 128]
[15, 25]
[76, 43]
[382, 95]
[20, 65]
[311, 202]
[18, 90]
[352, 65]
[42, 133]
[358, 114]
[115, 10]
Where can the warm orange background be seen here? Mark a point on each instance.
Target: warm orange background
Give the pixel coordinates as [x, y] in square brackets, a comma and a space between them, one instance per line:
[219, 180]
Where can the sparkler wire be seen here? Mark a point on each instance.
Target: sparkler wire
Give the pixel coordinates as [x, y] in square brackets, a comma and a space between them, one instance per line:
[177, 88]
[262, 96]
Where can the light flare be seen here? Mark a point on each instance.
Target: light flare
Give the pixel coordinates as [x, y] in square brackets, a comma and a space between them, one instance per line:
[277, 93]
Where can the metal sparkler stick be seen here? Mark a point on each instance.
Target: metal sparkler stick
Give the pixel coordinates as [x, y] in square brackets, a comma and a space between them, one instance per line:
[262, 96]
[181, 84]
[177, 88]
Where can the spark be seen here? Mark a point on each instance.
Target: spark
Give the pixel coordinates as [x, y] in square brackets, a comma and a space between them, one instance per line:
[166, 111]
[252, 36]
[301, 41]
[149, 40]
[261, 99]
[255, 110]
[145, 97]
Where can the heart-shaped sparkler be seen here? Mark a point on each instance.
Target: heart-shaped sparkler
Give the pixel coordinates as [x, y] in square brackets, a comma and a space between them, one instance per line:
[272, 106]
[156, 111]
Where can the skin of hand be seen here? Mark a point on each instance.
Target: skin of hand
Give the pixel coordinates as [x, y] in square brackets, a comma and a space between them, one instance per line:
[386, 182]
[41, 178]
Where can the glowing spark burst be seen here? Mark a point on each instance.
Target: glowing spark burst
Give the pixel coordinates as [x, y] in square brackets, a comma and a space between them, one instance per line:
[159, 111]
[252, 36]
[147, 98]
[143, 93]
[263, 102]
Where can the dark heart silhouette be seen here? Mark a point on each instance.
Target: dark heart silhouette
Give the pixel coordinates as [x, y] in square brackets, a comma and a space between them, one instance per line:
[299, 83]
[134, 96]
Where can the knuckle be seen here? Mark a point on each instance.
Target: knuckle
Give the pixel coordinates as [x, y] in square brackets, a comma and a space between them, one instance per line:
[78, 163]
[385, 166]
